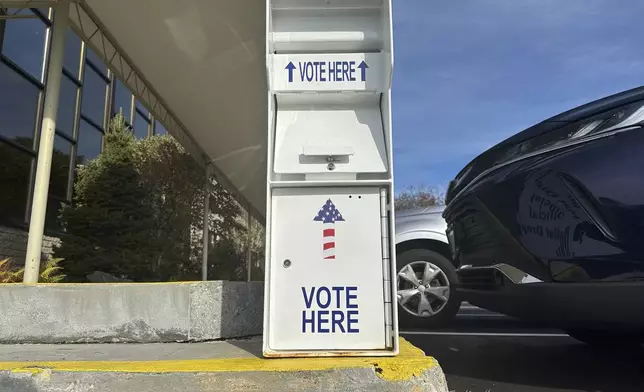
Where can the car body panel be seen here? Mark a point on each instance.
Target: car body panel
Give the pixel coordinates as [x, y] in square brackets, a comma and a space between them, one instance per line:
[583, 305]
[486, 161]
[421, 224]
[570, 216]
[421, 240]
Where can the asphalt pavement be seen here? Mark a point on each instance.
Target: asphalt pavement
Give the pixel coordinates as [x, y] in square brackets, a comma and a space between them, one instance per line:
[487, 352]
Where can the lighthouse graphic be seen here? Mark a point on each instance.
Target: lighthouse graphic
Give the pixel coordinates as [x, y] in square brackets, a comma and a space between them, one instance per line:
[328, 215]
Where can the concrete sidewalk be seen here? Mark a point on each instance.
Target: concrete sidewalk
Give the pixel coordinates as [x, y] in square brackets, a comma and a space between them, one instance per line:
[234, 365]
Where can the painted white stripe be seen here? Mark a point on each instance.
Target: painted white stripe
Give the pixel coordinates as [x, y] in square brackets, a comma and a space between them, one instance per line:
[328, 252]
[329, 239]
[503, 334]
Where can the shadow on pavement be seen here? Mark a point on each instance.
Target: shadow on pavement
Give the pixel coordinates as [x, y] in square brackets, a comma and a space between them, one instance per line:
[556, 363]
[251, 345]
[240, 317]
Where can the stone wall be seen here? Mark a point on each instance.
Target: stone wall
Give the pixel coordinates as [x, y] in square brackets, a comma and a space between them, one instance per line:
[130, 312]
[13, 244]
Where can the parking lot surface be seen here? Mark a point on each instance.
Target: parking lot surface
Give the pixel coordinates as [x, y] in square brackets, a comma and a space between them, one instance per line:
[487, 352]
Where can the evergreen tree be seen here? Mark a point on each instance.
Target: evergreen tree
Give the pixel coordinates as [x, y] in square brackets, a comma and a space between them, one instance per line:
[176, 183]
[111, 226]
[138, 214]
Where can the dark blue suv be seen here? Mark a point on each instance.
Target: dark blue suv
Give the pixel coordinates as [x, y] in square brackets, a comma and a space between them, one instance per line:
[548, 225]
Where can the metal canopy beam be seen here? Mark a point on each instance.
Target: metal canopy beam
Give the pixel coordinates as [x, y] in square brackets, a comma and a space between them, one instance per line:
[29, 4]
[91, 30]
[46, 145]
[88, 26]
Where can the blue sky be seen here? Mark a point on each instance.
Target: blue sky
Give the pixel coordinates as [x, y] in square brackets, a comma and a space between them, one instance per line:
[470, 73]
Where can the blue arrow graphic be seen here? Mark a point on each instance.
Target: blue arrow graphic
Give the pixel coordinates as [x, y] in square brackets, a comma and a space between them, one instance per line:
[363, 68]
[290, 67]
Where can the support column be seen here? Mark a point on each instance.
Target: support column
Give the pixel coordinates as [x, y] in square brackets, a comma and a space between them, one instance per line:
[46, 146]
[206, 228]
[249, 243]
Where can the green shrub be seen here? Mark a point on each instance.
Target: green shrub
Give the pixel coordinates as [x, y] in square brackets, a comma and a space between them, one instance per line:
[138, 211]
[50, 272]
[111, 226]
[9, 274]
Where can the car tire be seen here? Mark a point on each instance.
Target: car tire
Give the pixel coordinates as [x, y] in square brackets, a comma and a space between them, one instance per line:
[445, 314]
[607, 339]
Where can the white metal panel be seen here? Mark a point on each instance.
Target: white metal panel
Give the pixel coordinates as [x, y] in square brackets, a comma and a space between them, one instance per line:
[356, 269]
[330, 127]
[326, 26]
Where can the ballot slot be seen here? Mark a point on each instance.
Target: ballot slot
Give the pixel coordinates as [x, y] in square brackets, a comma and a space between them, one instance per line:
[349, 131]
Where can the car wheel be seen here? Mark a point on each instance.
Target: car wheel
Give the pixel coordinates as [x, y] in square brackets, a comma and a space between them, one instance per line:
[607, 339]
[426, 297]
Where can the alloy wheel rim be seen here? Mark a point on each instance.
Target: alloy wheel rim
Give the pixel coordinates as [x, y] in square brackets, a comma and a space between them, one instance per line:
[423, 289]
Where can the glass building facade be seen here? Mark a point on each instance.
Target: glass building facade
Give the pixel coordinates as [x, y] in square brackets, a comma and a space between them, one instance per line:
[89, 96]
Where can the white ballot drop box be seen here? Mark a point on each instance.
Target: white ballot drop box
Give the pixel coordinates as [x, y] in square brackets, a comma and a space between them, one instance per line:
[330, 259]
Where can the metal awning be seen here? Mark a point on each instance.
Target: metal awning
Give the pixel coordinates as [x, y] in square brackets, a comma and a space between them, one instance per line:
[199, 67]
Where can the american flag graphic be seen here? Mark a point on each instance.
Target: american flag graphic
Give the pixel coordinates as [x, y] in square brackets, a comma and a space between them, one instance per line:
[328, 215]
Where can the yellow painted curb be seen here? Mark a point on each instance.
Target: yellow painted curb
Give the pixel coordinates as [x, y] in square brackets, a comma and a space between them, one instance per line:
[409, 363]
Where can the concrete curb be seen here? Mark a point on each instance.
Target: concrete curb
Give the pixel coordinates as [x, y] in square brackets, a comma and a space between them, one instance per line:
[334, 380]
[130, 312]
[409, 371]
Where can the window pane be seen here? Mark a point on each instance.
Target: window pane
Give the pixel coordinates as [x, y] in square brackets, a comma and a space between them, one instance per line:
[94, 88]
[60, 167]
[72, 52]
[89, 143]
[58, 182]
[159, 129]
[142, 108]
[54, 204]
[18, 106]
[96, 61]
[140, 126]
[66, 106]
[15, 166]
[122, 100]
[24, 42]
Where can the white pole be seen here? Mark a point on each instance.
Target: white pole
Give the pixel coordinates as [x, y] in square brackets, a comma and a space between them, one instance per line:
[46, 146]
[249, 254]
[206, 214]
